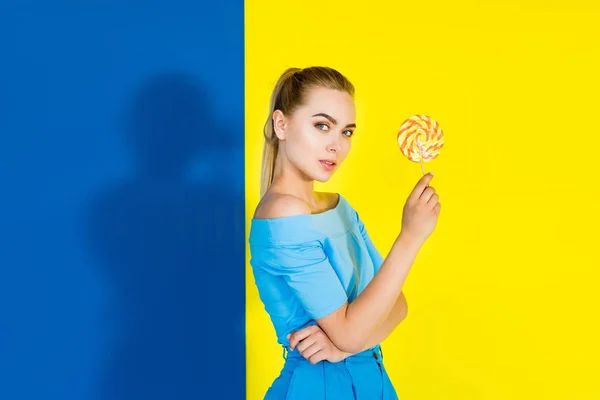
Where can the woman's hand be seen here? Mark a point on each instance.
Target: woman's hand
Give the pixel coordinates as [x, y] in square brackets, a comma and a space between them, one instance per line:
[421, 210]
[315, 346]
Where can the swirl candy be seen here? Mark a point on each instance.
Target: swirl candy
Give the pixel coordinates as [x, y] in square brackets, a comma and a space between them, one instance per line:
[420, 139]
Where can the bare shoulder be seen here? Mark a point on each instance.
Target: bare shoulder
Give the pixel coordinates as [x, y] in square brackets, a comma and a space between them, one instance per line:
[278, 205]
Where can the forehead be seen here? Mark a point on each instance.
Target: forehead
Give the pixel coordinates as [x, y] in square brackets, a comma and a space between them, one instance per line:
[338, 104]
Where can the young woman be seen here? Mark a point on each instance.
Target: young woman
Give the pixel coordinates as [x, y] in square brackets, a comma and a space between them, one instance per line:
[331, 296]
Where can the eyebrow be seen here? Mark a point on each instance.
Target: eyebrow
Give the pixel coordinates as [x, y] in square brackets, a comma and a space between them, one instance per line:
[333, 121]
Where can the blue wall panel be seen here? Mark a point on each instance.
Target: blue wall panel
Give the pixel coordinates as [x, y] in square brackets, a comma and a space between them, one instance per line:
[122, 200]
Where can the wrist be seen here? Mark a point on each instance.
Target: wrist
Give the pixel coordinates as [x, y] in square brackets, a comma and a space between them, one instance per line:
[408, 240]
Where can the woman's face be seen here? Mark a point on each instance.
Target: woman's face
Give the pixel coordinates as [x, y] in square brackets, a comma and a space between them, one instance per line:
[316, 137]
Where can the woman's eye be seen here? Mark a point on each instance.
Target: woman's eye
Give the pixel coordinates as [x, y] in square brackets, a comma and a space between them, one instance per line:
[348, 133]
[320, 125]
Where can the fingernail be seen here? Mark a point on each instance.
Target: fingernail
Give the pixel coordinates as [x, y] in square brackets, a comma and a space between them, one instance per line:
[288, 336]
[431, 173]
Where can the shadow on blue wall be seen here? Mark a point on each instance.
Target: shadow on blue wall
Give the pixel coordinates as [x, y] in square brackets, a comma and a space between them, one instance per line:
[169, 244]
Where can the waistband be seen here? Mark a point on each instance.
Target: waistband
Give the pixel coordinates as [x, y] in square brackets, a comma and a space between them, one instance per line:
[372, 353]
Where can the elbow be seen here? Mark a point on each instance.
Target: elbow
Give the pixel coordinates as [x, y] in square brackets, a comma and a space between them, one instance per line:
[404, 313]
[404, 310]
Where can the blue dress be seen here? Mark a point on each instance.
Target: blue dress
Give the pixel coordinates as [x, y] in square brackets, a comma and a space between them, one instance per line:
[304, 269]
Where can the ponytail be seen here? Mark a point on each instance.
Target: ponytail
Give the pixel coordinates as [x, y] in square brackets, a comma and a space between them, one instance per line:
[271, 145]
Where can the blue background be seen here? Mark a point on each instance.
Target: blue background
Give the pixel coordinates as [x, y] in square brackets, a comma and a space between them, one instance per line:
[122, 205]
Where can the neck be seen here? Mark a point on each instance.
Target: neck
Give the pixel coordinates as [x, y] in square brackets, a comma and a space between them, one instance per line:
[288, 179]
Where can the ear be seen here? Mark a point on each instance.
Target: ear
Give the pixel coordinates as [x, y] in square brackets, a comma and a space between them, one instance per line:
[279, 123]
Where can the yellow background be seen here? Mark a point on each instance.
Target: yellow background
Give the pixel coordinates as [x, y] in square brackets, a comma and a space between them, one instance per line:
[503, 298]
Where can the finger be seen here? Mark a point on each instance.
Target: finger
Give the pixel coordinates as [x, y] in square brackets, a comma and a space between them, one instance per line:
[318, 356]
[433, 200]
[427, 193]
[298, 336]
[311, 350]
[303, 345]
[302, 333]
[421, 185]
[437, 208]
[310, 329]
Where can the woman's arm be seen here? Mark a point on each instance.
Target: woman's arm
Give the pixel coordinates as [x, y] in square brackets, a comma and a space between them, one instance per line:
[397, 315]
[309, 343]
[352, 325]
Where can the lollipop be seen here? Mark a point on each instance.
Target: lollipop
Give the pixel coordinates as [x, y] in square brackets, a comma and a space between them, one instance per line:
[420, 139]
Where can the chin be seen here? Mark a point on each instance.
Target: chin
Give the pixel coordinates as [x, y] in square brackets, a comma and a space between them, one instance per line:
[323, 177]
[319, 174]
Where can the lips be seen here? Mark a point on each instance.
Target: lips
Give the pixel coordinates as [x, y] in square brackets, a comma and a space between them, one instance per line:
[329, 165]
[328, 162]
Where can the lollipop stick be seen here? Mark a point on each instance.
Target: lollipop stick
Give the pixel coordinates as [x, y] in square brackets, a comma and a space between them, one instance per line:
[423, 168]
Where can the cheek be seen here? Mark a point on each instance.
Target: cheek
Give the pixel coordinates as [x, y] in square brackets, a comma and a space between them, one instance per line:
[300, 147]
[306, 142]
[346, 148]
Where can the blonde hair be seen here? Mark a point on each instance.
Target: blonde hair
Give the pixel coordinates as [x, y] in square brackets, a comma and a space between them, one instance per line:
[289, 93]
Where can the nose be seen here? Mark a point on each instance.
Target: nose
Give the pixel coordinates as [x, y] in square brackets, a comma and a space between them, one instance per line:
[334, 145]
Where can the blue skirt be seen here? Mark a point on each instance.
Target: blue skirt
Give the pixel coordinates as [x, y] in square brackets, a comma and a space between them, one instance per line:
[361, 376]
